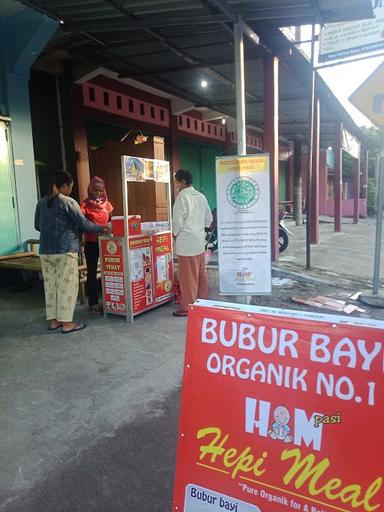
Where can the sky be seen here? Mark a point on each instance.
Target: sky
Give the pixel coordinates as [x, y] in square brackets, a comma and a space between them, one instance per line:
[344, 79]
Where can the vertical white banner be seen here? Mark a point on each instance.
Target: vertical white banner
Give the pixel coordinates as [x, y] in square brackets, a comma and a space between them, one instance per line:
[244, 224]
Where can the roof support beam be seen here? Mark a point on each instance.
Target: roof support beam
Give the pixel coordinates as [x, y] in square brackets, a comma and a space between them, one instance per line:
[233, 16]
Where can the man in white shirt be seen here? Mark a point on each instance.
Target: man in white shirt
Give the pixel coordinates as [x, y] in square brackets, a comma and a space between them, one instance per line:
[191, 215]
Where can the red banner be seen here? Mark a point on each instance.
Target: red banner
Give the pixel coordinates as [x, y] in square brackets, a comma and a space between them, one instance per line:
[112, 261]
[163, 266]
[281, 411]
[141, 269]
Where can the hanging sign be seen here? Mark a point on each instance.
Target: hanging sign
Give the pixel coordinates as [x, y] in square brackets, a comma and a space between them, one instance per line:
[244, 224]
[350, 144]
[341, 40]
[369, 97]
[142, 169]
[281, 411]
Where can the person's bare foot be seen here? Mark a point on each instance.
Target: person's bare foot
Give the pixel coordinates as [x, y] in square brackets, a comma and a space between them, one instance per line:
[53, 325]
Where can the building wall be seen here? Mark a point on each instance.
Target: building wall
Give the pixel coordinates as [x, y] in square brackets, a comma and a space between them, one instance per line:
[23, 36]
[326, 204]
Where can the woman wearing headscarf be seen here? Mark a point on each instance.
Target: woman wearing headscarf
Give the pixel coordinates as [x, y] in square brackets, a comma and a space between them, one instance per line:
[97, 209]
[60, 221]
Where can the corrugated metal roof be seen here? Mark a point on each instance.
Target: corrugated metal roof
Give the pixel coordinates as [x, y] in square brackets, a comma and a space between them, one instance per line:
[173, 44]
[98, 14]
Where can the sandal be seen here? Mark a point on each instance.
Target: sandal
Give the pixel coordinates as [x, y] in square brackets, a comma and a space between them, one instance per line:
[180, 312]
[54, 328]
[78, 327]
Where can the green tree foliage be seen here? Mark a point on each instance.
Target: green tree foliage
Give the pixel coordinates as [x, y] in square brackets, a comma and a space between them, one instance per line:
[372, 142]
[371, 205]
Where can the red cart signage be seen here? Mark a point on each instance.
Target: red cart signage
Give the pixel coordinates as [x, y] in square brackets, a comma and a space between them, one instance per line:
[281, 411]
[163, 266]
[112, 261]
[141, 268]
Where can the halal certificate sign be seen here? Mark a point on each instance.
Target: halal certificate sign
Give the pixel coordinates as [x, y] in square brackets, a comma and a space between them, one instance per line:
[243, 192]
[244, 227]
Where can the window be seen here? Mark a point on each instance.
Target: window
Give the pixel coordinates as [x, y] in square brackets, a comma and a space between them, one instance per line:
[118, 102]
[130, 105]
[162, 114]
[196, 125]
[152, 112]
[106, 98]
[92, 94]
[188, 122]
[142, 109]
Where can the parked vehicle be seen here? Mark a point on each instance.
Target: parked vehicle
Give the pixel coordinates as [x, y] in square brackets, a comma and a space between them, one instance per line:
[283, 231]
[211, 237]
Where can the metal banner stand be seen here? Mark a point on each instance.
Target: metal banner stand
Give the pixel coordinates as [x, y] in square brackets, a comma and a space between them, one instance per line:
[376, 298]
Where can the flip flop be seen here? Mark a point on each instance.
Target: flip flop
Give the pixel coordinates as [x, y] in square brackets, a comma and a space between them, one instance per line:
[180, 312]
[78, 327]
[54, 328]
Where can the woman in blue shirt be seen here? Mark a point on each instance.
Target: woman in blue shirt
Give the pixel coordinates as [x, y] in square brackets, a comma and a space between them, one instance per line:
[60, 221]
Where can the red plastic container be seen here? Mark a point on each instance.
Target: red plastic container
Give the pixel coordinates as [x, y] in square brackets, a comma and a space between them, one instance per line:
[134, 225]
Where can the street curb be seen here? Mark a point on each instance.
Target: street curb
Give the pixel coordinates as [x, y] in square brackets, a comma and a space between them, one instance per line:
[288, 274]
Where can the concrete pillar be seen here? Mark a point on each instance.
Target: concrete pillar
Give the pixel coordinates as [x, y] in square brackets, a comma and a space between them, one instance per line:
[356, 191]
[291, 178]
[298, 184]
[80, 142]
[175, 152]
[24, 35]
[271, 141]
[315, 174]
[365, 175]
[338, 182]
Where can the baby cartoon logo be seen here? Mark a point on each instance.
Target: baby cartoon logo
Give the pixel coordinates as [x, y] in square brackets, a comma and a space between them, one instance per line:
[280, 428]
[258, 419]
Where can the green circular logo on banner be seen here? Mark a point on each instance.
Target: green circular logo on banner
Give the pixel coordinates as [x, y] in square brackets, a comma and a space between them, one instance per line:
[243, 192]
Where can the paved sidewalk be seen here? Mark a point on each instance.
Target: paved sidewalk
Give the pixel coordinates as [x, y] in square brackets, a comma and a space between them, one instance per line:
[88, 420]
[349, 254]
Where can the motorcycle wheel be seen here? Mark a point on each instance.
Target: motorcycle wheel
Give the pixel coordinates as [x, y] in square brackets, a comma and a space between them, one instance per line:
[283, 240]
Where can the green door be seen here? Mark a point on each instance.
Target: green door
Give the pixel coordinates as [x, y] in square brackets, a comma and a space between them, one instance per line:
[200, 159]
[208, 173]
[9, 231]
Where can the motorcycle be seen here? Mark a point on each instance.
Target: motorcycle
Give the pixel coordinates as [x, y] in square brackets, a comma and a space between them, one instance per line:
[211, 234]
[283, 231]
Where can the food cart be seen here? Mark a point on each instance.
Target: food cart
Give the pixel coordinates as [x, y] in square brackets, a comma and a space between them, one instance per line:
[137, 260]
